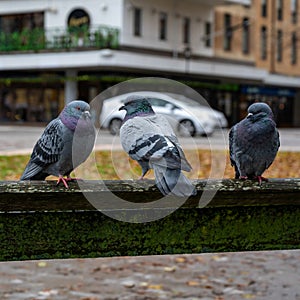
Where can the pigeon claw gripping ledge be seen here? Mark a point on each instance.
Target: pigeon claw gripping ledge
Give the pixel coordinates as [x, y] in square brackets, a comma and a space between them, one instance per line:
[260, 179]
[65, 180]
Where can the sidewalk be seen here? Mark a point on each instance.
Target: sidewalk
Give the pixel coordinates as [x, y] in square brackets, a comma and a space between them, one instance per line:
[21, 139]
[258, 275]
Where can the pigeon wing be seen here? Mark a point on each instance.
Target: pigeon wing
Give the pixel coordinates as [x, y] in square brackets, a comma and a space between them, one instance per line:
[273, 149]
[231, 151]
[185, 165]
[232, 144]
[157, 149]
[46, 151]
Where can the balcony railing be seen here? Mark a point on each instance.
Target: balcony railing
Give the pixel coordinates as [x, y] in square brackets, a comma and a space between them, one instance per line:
[39, 39]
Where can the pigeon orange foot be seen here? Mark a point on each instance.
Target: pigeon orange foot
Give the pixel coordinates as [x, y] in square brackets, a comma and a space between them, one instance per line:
[261, 179]
[65, 180]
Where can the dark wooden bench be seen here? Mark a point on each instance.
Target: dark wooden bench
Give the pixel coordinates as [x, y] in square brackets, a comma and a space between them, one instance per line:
[39, 220]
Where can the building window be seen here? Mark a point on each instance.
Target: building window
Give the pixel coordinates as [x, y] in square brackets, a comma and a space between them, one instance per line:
[227, 32]
[263, 8]
[279, 45]
[137, 21]
[279, 10]
[207, 34]
[163, 26]
[263, 43]
[294, 8]
[22, 32]
[245, 36]
[186, 30]
[21, 22]
[294, 49]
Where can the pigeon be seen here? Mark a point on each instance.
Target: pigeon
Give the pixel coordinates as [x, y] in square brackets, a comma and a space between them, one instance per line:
[254, 143]
[66, 142]
[149, 139]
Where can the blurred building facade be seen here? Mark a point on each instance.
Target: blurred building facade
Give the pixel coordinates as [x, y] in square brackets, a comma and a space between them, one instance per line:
[264, 34]
[54, 51]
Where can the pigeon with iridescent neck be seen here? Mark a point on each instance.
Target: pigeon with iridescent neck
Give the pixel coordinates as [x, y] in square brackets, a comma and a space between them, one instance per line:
[149, 139]
[254, 142]
[66, 142]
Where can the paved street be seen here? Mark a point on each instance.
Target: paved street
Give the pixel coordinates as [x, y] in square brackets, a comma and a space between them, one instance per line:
[20, 140]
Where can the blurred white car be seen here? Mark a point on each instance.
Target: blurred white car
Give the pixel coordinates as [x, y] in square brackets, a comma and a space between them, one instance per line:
[187, 116]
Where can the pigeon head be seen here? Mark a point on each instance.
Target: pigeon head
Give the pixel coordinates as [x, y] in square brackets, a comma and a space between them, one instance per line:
[136, 106]
[259, 110]
[74, 111]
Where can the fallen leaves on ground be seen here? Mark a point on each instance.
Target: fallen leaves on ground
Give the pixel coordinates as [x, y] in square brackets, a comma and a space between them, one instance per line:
[11, 167]
[193, 283]
[115, 165]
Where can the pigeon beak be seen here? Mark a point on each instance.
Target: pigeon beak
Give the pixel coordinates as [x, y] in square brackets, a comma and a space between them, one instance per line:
[86, 114]
[122, 108]
[249, 115]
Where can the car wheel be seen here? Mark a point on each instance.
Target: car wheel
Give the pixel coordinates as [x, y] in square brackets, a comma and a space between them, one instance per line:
[114, 126]
[186, 128]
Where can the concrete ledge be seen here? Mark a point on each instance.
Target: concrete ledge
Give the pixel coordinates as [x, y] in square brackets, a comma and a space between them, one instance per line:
[45, 195]
[40, 220]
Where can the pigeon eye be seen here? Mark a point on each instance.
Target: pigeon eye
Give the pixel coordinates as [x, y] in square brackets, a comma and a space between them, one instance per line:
[78, 108]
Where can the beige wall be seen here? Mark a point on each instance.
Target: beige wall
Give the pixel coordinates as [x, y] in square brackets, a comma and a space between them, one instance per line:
[238, 13]
[285, 67]
[273, 25]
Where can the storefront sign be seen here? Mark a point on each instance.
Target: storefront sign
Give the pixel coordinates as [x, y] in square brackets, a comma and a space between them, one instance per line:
[78, 18]
[270, 91]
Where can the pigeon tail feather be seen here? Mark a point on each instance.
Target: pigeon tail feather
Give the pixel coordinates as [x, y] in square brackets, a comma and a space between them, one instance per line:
[31, 173]
[173, 182]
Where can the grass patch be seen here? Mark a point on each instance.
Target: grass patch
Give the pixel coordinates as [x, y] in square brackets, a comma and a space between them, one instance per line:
[114, 165]
[12, 167]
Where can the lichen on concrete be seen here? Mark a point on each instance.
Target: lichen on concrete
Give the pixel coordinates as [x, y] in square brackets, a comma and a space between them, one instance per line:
[92, 234]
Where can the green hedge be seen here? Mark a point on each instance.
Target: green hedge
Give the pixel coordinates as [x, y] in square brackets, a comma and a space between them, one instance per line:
[38, 39]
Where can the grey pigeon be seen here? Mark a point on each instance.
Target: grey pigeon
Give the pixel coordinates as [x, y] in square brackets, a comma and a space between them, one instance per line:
[149, 139]
[254, 142]
[66, 142]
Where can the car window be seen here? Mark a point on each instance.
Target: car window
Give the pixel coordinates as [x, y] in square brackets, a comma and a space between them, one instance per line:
[158, 102]
[154, 101]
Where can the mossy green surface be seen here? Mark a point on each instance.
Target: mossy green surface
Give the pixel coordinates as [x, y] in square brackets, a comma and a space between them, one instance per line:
[189, 230]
